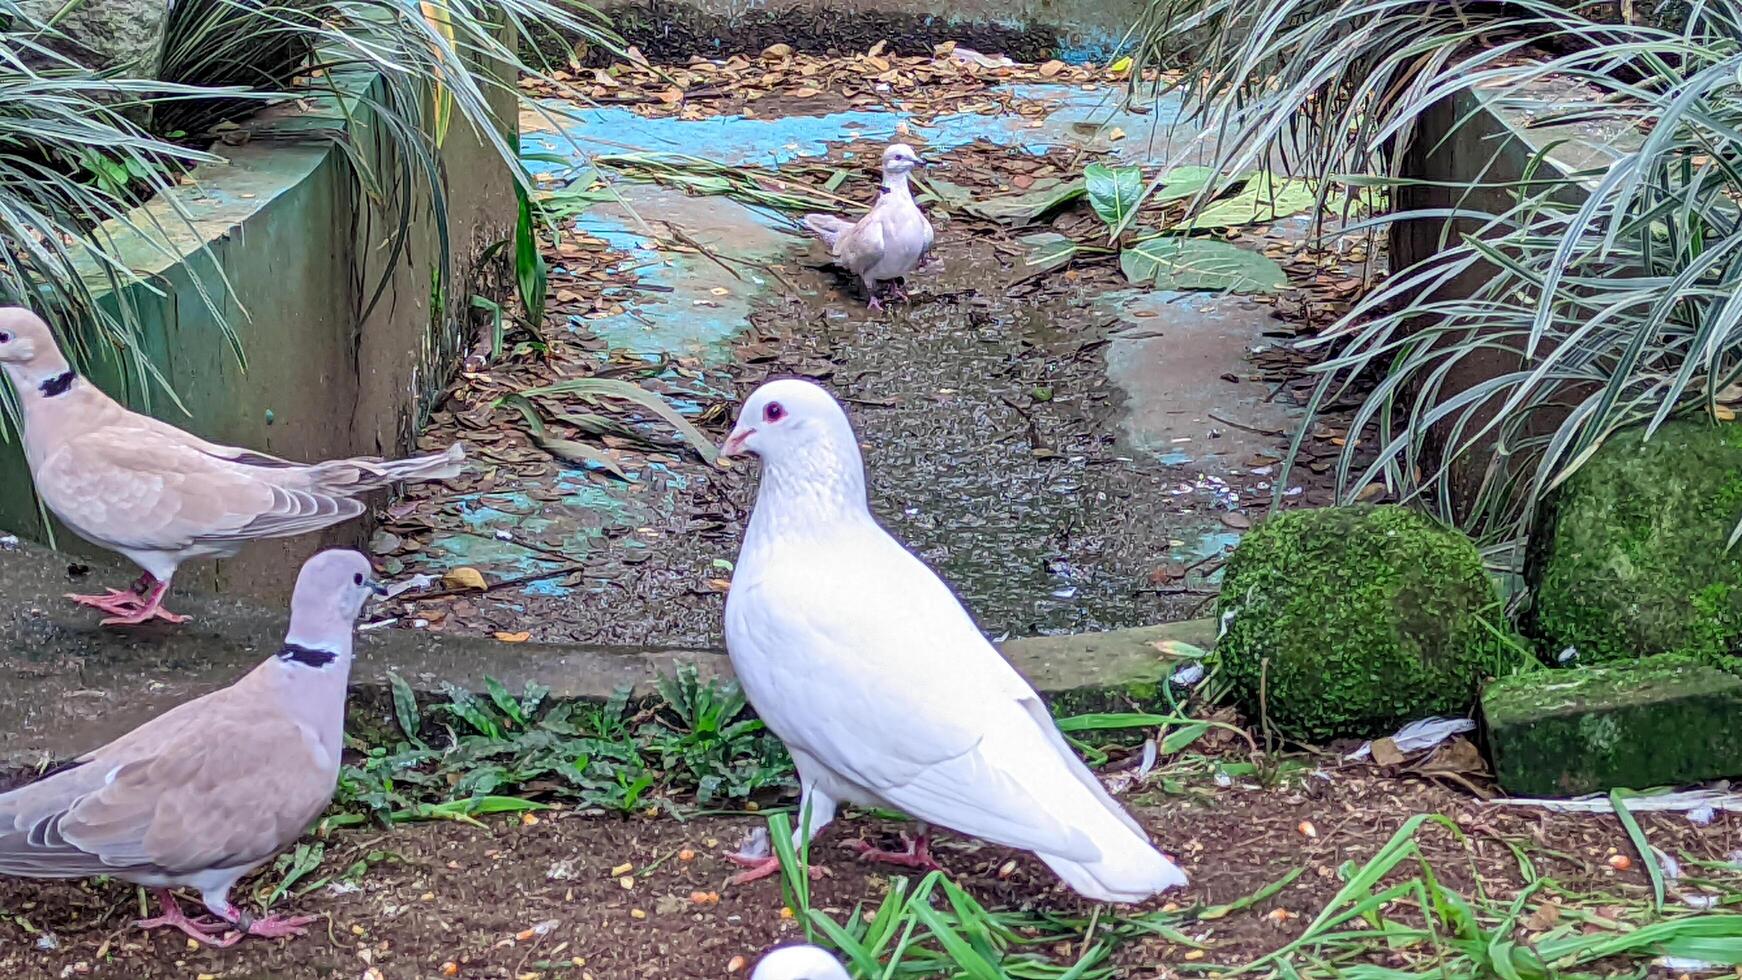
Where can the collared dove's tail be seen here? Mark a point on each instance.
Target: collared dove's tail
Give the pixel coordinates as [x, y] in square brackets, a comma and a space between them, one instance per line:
[444, 466]
[827, 227]
[343, 478]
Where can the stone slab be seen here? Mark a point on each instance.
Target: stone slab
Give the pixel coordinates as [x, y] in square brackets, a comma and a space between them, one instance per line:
[67, 685]
[1581, 730]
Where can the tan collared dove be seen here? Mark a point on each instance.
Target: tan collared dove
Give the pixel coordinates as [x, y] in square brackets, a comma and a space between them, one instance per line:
[161, 496]
[891, 239]
[866, 665]
[213, 788]
[799, 963]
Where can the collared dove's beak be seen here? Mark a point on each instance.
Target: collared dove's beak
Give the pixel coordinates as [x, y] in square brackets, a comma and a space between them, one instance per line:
[734, 445]
[375, 587]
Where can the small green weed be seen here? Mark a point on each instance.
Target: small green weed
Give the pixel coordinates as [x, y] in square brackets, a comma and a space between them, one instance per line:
[501, 752]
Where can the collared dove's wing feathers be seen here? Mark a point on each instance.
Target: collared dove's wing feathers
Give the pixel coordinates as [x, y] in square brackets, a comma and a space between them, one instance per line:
[860, 250]
[160, 803]
[133, 482]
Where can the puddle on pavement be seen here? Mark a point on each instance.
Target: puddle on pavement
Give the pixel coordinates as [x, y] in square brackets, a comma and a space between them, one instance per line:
[1046, 453]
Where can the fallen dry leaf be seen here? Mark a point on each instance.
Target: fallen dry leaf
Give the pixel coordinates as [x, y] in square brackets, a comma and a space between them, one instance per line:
[464, 577]
[513, 637]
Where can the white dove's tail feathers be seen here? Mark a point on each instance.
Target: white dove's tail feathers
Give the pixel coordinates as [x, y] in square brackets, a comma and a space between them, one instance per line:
[1129, 870]
[827, 227]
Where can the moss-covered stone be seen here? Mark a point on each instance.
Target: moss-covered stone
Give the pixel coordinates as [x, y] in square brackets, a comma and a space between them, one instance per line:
[1659, 723]
[1352, 620]
[1632, 561]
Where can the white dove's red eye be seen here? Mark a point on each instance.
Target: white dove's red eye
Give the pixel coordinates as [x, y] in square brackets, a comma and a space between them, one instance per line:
[773, 413]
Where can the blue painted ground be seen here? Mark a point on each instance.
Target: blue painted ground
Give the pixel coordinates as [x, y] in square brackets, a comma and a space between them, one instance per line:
[1039, 545]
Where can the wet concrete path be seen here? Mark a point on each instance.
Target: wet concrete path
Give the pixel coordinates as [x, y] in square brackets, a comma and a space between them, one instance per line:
[1070, 458]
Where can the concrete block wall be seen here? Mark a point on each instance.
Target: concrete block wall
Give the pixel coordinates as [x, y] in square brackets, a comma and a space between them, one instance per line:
[301, 247]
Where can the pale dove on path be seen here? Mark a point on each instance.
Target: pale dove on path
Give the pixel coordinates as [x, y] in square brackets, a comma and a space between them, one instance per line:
[886, 693]
[888, 242]
[146, 489]
[799, 963]
[213, 788]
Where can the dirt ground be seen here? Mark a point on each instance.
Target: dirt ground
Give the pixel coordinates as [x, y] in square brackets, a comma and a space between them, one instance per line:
[548, 899]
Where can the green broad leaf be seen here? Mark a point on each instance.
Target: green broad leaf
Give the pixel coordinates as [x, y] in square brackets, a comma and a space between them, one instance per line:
[1114, 192]
[1173, 262]
[946, 194]
[1182, 182]
[1047, 250]
[1044, 197]
[1265, 198]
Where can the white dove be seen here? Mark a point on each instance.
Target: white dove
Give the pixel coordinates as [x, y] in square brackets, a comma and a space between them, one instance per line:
[211, 789]
[888, 242]
[799, 963]
[884, 690]
[146, 489]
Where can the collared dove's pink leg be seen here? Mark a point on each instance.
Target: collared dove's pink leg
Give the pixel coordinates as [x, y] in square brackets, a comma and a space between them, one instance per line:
[278, 927]
[143, 611]
[917, 855]
[759, 868]
[172, 917]
[271, 927]
[117, 602]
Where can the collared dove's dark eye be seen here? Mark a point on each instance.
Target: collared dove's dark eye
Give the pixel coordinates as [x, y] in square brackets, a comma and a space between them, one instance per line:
[357, 578]
[773, 413]
[5, 338]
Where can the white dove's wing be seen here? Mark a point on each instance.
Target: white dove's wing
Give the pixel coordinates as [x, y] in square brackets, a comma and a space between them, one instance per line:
[872, 667]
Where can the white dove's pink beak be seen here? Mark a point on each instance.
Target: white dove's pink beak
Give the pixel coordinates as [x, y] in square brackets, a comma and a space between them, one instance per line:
[734, 445]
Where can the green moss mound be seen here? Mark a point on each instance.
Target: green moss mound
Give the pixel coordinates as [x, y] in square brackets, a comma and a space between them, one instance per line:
[1632, 561]
[1354, 620]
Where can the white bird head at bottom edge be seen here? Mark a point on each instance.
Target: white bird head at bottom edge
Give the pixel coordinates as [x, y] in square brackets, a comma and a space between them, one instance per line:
[799, 963]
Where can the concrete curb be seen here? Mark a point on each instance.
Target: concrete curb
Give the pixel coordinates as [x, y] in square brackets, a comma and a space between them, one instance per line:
[67, 685]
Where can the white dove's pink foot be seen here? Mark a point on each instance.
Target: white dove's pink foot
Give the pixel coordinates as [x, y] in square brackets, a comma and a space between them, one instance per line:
[896, 292]
[875, 304]
[917, 855]
[172, 917]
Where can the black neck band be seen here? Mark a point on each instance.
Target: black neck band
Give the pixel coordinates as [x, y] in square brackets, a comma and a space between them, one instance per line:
[307, 656]
[58, 384]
